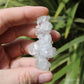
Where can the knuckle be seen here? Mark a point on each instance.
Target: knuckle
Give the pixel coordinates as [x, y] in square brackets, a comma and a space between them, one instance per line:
[24, 78]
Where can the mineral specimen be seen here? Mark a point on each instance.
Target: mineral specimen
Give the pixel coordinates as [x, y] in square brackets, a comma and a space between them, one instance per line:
[43, 49]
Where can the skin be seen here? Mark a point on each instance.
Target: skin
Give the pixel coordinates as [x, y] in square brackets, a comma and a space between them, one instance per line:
[15, 22]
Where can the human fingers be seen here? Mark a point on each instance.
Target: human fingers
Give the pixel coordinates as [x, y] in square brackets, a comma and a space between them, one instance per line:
[4, 59]
[24, 30]
[55, 35]
[23, 62]
[25, 75]
[17, 48]
[9, 17]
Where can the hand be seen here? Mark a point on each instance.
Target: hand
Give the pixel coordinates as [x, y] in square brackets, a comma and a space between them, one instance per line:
[15, 22]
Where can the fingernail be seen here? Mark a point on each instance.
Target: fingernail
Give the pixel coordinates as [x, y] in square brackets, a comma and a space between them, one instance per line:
[44, 78]
[58, 34]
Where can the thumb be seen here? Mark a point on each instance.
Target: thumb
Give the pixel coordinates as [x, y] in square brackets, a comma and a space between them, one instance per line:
[29, 75]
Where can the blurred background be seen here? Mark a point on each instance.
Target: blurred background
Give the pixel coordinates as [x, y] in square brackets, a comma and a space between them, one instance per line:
[67, 17]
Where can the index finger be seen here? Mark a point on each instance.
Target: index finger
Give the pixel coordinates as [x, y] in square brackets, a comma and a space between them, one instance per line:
[20, 15]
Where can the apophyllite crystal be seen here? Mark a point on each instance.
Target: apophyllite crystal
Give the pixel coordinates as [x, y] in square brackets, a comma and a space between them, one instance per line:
[43, 49]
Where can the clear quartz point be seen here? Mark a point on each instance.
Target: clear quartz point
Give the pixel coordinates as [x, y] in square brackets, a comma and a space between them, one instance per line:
[43, 49]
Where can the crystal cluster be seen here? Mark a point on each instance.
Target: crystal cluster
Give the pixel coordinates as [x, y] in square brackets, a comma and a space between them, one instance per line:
[42, 49]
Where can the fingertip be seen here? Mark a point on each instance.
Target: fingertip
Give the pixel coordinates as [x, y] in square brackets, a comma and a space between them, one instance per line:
[43, 9]
[45, 77]
[58, 35]
[37, 12]
[55, 35]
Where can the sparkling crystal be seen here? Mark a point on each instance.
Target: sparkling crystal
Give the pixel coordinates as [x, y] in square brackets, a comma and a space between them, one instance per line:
[42, 19]
[42, 63]
[33, 49]
[44, 28]
[43, 49]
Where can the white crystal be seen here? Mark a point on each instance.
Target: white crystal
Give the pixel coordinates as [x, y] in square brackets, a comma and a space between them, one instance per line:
[43, 49]
[42, 63]
[33, 50]
[42, 19]
[43, 28]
